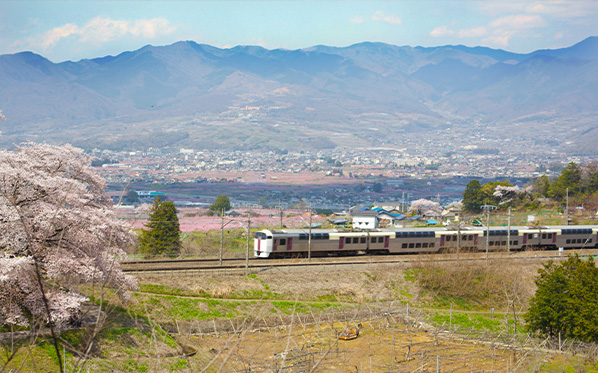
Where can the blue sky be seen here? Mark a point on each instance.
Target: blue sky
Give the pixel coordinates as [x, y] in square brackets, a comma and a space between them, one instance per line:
[72, 30]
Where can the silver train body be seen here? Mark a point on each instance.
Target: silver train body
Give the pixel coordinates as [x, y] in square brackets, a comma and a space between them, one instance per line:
[296, 242]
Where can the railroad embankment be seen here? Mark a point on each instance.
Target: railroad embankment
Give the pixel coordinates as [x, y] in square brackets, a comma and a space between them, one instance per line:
[461, 315]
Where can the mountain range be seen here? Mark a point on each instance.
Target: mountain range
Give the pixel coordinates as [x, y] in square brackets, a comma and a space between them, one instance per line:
[247, 97]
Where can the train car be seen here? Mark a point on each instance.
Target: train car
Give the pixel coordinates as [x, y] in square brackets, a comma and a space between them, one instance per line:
[296, 242]
[413, 240]
[577, 236]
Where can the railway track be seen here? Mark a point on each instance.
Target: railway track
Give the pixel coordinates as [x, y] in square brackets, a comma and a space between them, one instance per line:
[237, 264]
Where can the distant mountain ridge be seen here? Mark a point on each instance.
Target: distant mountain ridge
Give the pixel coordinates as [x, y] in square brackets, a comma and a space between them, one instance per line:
[192, 88]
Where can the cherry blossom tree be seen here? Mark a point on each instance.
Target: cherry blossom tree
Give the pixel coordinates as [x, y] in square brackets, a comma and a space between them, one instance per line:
[57, 233]
[425, 207]
[505, 194]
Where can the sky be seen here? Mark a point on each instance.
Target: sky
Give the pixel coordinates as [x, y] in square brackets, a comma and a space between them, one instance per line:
[74, 30]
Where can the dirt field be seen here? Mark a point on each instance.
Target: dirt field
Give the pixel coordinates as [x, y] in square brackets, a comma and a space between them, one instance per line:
[278, 321]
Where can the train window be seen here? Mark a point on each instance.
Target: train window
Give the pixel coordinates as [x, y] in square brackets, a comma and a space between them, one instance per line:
[260, 235]
[347, 239]
[411, 245]
[469, 238]
[504, 243]
[516, 242]
[425, 245]
[431, 244]
[579, 240]
[543, 236]
[589, 240]
[418, 245]
[568, 241]
[362, 240]
[490, 243]
[355, 239]
[283, 241]
[418, 234]
[303, 236]
[325, 236]
[404, 246]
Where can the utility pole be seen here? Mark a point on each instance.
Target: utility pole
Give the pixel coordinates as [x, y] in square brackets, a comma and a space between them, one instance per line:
[509, 234]
[280, 208]
[309, 238]
[567, 210]
[247, 252]
[221, 235]
[458, 238]
[487, 209]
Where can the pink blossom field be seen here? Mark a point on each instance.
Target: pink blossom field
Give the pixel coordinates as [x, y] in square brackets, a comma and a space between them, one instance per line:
[261, 218]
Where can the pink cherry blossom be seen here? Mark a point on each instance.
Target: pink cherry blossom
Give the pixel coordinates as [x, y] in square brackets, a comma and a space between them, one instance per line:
[425, 207]
[56, 224]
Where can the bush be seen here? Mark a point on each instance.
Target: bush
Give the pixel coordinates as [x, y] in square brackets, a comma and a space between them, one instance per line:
[566, 300]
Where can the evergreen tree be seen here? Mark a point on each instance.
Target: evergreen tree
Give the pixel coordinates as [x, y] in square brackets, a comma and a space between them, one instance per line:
[542, 186]
[566, 300]
[472, 196]
[570, 178]
[222, 203]
[163, 236]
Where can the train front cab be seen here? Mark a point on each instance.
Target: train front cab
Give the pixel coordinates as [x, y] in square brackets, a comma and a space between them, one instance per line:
[262, 244]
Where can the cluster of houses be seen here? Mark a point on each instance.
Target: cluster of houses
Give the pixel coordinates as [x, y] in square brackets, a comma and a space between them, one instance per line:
[395, 217]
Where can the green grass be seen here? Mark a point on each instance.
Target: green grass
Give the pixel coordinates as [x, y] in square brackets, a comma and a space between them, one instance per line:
[287, 307]
[410, 274]
[476, 321]
[570, 364]
[180, 364]
[161, 289]
[166, 308]
[455, 302]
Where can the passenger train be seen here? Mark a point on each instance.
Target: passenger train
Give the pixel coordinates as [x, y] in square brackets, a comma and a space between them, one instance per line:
[325, 242]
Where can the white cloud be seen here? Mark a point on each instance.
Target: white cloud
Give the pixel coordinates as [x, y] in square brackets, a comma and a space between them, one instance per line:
[498, 32]
[441, 31]
[50, 38]
[387, 18]
[378, 16]
[518, 22]
[100, 30]
[554, 8]
[357, 19]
